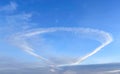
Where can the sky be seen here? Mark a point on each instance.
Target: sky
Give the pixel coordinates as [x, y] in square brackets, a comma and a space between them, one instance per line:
[22, 16]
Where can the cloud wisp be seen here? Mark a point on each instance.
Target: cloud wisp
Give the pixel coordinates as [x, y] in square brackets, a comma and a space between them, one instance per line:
[9, 7]
[19, 39]
[113, 71]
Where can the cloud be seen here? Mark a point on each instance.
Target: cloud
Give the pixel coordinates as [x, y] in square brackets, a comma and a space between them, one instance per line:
[10, 23]
[9, 8]
[12, 66]
[20, 38]
[21, 20]
[113, 71]
[69, 72]
[13, 63]
[13, 23]
[62, 60]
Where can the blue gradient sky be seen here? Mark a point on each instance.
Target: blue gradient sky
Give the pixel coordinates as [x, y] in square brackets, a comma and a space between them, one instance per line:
[21, 15]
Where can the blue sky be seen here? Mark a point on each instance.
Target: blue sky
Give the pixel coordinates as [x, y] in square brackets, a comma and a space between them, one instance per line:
[22, 15]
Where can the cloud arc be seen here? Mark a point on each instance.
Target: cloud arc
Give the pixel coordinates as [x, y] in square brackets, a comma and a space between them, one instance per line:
[19, 39]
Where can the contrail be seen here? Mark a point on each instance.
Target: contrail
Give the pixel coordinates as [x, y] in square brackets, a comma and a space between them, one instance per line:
[20, 40]
[107, 40]
[92, 53]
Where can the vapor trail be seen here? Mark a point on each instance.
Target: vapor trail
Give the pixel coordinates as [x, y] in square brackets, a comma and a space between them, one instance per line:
[108, 40]
[20, 40]
[90, 54]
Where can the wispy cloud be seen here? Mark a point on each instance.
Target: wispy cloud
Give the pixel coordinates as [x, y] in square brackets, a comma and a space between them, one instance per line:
[9, 8]
[113, 71]
[9, 22]
[19, 20]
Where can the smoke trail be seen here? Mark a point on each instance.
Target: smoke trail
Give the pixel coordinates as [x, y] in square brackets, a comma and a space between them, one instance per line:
[20, 40]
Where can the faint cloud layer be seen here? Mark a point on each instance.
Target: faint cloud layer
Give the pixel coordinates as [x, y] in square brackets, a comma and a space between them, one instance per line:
[70, 72]
[12, 21]
[12, 66]
[9, 8]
